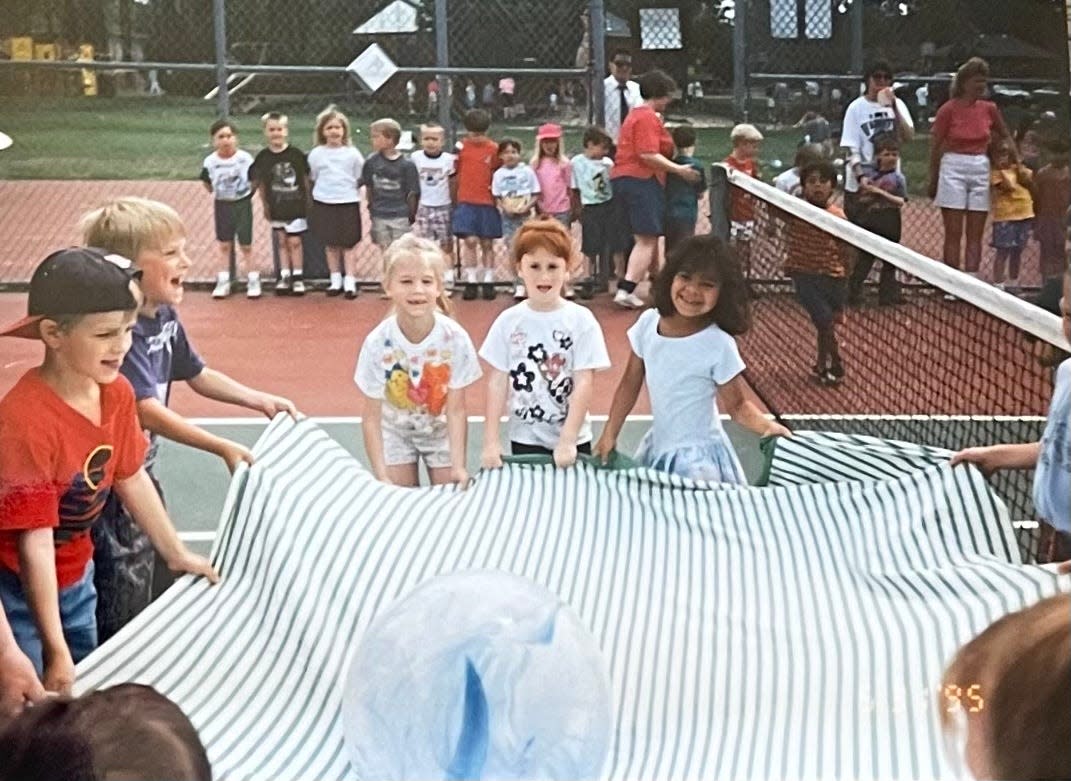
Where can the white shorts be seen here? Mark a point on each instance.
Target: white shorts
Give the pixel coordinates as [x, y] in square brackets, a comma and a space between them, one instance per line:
[401, 448]
[300, 225]
[963, 182]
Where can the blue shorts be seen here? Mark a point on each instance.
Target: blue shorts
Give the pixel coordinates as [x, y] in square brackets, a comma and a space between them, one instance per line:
[822, 296]
[1010, 234]
[472, 219]
[78, 615]
[641, 203]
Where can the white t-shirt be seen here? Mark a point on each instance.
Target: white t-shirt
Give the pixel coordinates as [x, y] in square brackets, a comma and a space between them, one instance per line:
[788, 181]
[229, 176]
[519, 181]
[412, 379]
[863, 121]
[683, 375]
[434, 173]
[335, 172]
[539, 351]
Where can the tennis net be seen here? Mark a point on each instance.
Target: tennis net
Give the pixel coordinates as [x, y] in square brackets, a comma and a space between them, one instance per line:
[958, 363]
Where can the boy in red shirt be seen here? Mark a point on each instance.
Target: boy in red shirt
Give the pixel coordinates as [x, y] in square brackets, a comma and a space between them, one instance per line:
[476, 219]
[747, 140]
[69, 435]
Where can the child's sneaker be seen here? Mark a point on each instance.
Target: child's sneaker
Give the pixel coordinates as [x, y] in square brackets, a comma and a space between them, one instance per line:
[471, 292]
[586, 289]
[282, 285]
[487, 289]
[223, 285]
[349, 284]
[519, 292]
[834, 375]
[628, 300]
[568, 293]
[335, 288]
[297, 286]
[252, 286]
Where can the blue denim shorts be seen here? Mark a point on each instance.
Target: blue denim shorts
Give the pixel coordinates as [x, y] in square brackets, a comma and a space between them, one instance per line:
[78, 615]
[471, 219]
[641, 203]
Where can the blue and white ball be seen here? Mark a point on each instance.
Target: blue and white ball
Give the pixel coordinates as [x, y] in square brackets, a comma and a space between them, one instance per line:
[478, 674]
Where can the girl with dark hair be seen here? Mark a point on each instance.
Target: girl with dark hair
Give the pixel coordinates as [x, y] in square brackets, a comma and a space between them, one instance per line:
[685, 351]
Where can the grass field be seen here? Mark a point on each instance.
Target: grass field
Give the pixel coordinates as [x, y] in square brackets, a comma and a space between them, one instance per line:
[167, 138]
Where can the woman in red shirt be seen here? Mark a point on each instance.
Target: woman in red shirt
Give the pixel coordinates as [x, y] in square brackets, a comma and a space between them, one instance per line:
[959, 166]
[644, 157]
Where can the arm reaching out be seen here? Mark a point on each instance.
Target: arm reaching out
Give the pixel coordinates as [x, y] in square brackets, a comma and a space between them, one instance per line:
[628, 390]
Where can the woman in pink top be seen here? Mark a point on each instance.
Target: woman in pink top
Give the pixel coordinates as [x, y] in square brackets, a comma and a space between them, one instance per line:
[959, 166]
[644, 157]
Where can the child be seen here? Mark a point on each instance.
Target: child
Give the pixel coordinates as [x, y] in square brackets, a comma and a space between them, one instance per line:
[746, 140]
[1013, 211]
[391, 184]
[882, 194]
[1050, 458]
[555, 174]
[818, 265]
[682, 198]
[413, 368]
[225, 174]
[335, 215]
[281, 173]
[788, 181]
[515, 188]
[153, 235]
[435, 169]
[69, 437]
[1052, 197]
[543, 354]
[600, 234]
[685, 350]
[476, 220]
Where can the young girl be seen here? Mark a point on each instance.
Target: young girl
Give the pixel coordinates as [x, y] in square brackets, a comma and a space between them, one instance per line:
[335, 217]
[543, 353]
[685, 350]
[414, 368]
[555, 174]
[1013, 210]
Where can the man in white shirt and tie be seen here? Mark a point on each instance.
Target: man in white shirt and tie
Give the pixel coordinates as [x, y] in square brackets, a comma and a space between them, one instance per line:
[621, 93]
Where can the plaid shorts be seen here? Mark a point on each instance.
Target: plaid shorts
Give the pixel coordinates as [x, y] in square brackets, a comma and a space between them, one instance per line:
[433, 222]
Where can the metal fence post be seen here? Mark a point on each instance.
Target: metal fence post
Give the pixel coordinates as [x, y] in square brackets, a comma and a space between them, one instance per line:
[740, 87]
[442, 59]
[857, 36]
[597, 17]
[719, 202]
[219, 27]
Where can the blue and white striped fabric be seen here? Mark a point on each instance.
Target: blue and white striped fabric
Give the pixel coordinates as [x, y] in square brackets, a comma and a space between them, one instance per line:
[795, 631]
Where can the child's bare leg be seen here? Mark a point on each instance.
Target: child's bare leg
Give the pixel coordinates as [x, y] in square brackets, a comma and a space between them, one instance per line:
[1000, 262]
[225, 250]
[245, 260]
[295, 254]
[487, 254]
[405, 475]
[1015, 256]
[439, 475]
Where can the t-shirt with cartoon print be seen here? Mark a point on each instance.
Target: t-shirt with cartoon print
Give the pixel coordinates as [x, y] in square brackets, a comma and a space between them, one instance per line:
[229, 176]
[539, 352]
[411, 379]
[434, 173]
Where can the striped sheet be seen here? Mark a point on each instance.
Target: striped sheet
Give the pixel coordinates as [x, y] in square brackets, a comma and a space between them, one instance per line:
[796, 631]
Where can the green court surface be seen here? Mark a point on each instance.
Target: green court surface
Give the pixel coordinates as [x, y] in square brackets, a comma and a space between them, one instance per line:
[195, 482]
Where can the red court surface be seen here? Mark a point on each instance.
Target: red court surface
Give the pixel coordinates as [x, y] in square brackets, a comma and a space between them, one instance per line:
[306, 349]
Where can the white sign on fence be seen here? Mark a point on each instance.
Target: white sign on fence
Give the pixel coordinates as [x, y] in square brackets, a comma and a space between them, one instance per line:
[373, 67]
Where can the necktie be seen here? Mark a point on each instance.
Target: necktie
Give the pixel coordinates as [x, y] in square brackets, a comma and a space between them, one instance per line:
[623, 95]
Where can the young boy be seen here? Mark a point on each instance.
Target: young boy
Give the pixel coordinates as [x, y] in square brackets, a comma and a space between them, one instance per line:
[1052, 197]
[476, 220]
[281, 173]
[225, 174]
[391, 184]
[600, 234]
[818, 264]
[882, 194]
[682, 198]
[747, 140]
[153, 235]
[69, 438]
[515, 187]
[435, 169]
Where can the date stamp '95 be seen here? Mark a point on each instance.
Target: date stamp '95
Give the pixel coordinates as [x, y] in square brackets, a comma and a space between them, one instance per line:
[952, 697]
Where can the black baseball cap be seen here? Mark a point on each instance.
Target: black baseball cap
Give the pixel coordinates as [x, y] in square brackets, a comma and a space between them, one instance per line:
[76, 281]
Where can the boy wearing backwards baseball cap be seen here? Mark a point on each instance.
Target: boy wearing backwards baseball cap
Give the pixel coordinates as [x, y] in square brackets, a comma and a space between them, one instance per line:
[69, 436]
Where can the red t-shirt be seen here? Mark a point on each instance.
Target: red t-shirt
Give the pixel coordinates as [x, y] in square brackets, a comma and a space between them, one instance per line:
[476, 162]
[965, 128]
[57, 468]
[642, 134]
[743, 205]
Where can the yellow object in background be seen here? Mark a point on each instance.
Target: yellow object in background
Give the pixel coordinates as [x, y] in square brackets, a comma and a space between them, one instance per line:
[20, 48]
[89, 77]
[46, 51]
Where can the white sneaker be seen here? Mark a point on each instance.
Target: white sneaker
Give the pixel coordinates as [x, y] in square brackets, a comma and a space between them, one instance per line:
[519, 292]
[223, 285]
[252, 288]
[470, 276]
[628, 300]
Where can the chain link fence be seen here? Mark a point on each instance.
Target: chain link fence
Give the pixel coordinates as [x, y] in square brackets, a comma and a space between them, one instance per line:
[134, 84]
